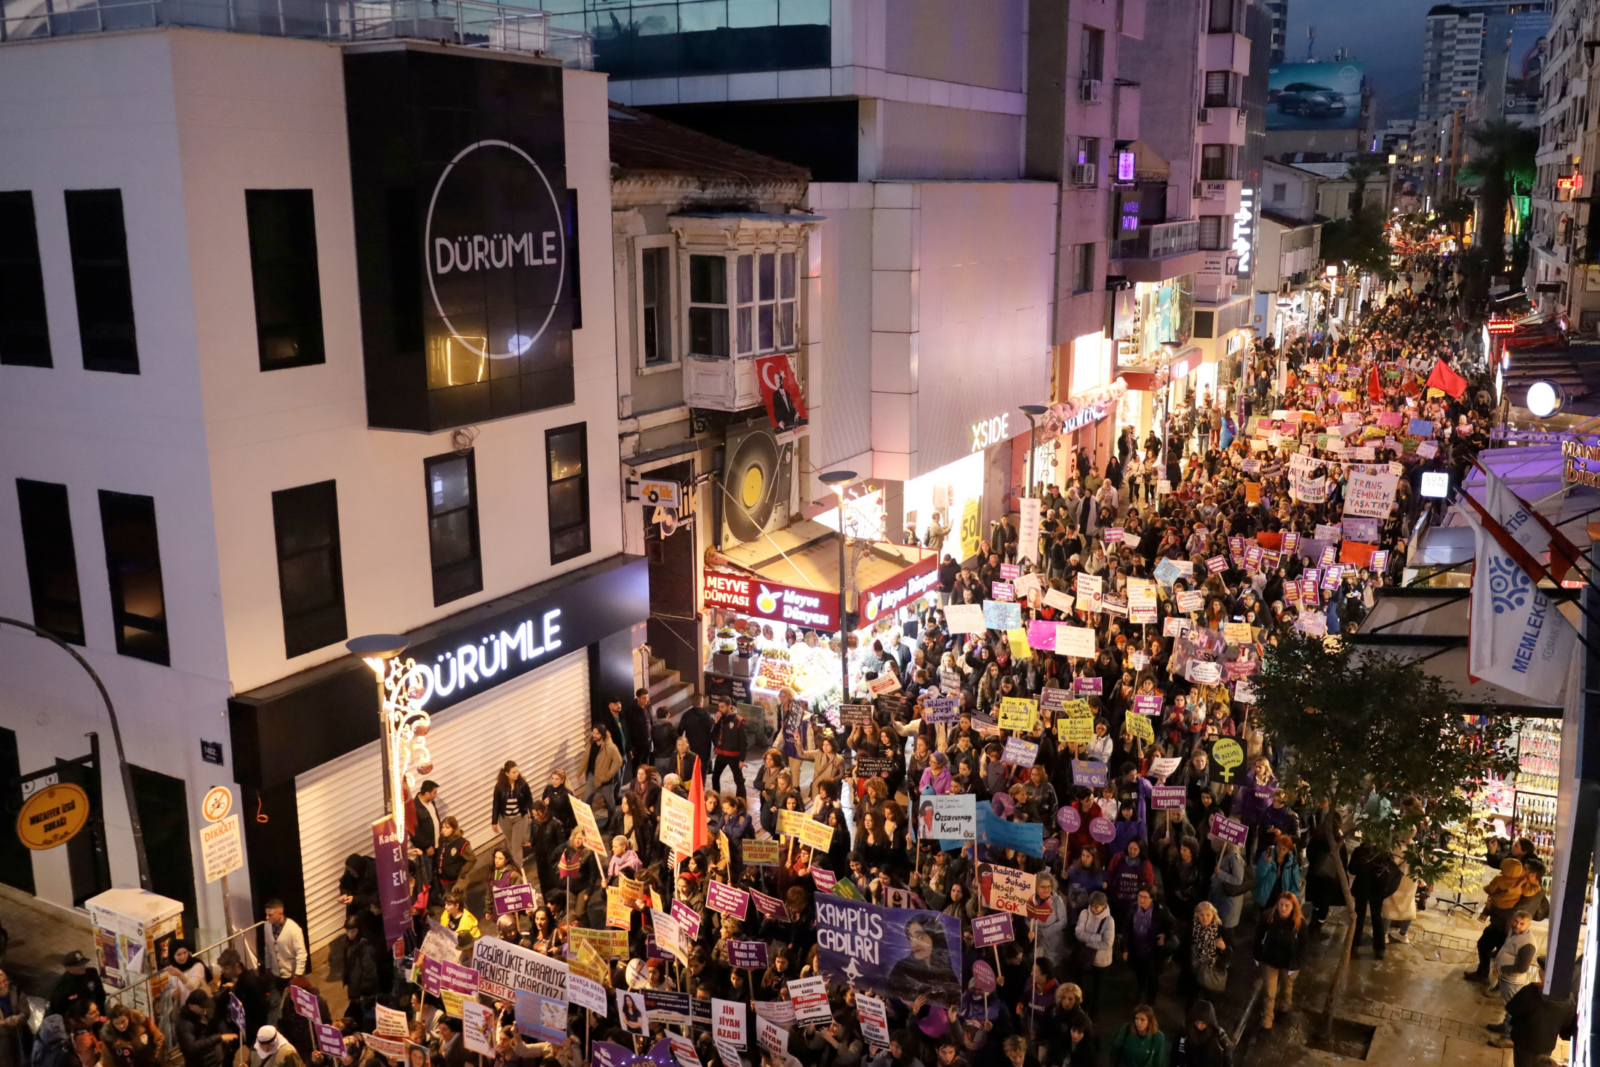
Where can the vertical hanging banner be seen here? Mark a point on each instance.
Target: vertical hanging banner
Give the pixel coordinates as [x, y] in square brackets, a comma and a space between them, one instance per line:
[394, 880]
[1028, 531]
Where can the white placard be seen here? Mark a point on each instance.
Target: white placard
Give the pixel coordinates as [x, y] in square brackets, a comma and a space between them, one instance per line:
[221, 848]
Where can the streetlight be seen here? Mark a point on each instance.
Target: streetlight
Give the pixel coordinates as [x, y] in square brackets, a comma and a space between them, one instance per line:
[837, 480]
[1031, 410]
[379, 651]
[135, 824]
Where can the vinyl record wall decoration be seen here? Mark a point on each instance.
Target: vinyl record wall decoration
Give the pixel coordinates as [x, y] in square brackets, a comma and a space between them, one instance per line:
[757, 477]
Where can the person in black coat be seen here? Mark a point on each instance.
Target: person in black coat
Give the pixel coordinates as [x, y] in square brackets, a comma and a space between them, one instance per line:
[360, 964]
[697, 725]
[200, 1037]
[1534, 1021]
[1203, 1044]
[636, 730]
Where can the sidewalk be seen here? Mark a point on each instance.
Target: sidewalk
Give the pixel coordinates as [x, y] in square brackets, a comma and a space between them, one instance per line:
[41, 934]
[1423, 1012]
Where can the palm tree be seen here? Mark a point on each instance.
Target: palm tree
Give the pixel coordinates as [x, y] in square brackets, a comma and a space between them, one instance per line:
[1503, 163]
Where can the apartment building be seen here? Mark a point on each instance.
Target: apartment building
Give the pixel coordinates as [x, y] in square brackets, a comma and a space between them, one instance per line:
[1561, 274]
[323, 333]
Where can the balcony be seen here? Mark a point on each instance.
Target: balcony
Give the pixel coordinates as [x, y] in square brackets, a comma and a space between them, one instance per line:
[1217, 196]
[1222, 125]
[721, 384]
[1160, 251]
[469, 23]
[1227, 51]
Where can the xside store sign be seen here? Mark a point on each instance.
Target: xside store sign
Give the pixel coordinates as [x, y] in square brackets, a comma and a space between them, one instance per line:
[465, 236]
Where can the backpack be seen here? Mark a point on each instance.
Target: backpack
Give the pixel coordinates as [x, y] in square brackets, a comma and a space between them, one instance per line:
[54, 1047]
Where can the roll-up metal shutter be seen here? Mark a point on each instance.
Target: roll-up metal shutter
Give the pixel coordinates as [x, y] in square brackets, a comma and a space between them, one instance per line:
[539, 719]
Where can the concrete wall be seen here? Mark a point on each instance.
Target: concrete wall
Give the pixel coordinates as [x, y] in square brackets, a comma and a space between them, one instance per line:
[919, 141]
[978, 42]
[841, 387]
[183, 122]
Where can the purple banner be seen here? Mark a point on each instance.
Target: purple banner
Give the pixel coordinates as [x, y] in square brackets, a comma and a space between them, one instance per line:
[510, 898]
[990, 930]
[1082, 685]
[394, 880]
[328, 1039]
[1091, 773]
[728, 900]
[687, 918]
[1147, 704]
[1167, 797]
[747, 955]
[1228, 830]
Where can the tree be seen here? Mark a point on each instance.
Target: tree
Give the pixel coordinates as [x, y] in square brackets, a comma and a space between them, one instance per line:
[1362, 169]
[1378, 740]
[1359, 241]
[1502, 164]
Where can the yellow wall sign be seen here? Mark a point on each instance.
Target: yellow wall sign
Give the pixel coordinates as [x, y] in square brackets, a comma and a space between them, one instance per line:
[971, 529]
[53, 816]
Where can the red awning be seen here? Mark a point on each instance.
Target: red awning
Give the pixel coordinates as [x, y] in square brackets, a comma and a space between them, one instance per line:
[1143, 381]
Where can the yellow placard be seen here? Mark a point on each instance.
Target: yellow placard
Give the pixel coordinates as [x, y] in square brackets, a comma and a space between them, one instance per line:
[1139, 726]
[1077, 708]
[790, 823]
[1075, 730]
[618, 914]
[1018, 713]
[1229, 754]
[607, 944]
[1237, 633]
[761, 853]
[1252, 492]
[818, 835]
[1018, 640]
[53, 816]
[587, 962]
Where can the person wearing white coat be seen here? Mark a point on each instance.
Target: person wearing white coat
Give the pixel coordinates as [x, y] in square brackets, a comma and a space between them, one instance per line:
[1097, 931]
[1051, 932]
[1400, 907]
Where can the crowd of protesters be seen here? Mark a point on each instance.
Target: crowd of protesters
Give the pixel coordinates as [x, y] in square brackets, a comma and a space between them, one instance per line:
[1138, 901]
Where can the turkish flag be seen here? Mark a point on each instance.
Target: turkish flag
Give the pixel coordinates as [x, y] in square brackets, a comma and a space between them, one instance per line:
[1442, 377]
[780, 392]
[697, 797]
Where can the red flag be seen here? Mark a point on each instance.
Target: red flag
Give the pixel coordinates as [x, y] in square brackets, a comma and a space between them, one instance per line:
[1374, 390]
[697, 797]
[1446, 379]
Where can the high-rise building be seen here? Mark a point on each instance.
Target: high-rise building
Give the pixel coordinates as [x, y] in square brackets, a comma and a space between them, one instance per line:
[1563, 242]
[1482, 57]
[1278, 49]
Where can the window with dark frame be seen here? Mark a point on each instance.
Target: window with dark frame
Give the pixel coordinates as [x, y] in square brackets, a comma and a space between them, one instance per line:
[655, 305]
[1211, 232]
[100, 280]
[1083, 268]
[566, 452]
[133, 565]
[451, 483]
[283, 274]
[1094, 54]
[1216, 162]
[24, 329]
[708, 306]
[51, 559]
[305, 526]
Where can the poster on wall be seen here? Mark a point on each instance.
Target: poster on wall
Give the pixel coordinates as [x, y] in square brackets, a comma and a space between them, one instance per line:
[780, 392]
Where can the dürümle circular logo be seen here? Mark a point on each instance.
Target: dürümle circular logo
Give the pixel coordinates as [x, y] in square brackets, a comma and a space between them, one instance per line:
[496, 249]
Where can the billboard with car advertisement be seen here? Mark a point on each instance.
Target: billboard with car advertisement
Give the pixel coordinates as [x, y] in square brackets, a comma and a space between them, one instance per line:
[1314, 96]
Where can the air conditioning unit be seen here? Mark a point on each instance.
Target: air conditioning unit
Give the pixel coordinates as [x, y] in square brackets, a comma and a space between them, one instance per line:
[1205, 116]
[1089, 90]
[1084, 174]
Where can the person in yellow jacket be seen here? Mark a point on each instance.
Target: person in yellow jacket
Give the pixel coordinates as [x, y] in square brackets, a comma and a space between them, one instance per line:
[456, 916]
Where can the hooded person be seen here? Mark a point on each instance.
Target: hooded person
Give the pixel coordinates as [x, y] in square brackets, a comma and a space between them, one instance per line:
[1203, 1044]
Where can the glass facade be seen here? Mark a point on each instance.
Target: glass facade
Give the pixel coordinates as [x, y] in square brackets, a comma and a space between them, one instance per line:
[640, 39]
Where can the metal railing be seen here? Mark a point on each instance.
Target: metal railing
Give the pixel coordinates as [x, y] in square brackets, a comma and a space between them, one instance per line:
[470, 23]
[1159, 240]
[239, 940]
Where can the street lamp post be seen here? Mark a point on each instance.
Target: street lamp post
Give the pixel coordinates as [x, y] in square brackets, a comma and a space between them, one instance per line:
[378, 651]
[1031, 411]
[134, 823]
[837, 480]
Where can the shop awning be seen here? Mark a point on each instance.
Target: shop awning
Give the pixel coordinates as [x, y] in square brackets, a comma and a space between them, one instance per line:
[804, 558]
[1143, 381]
